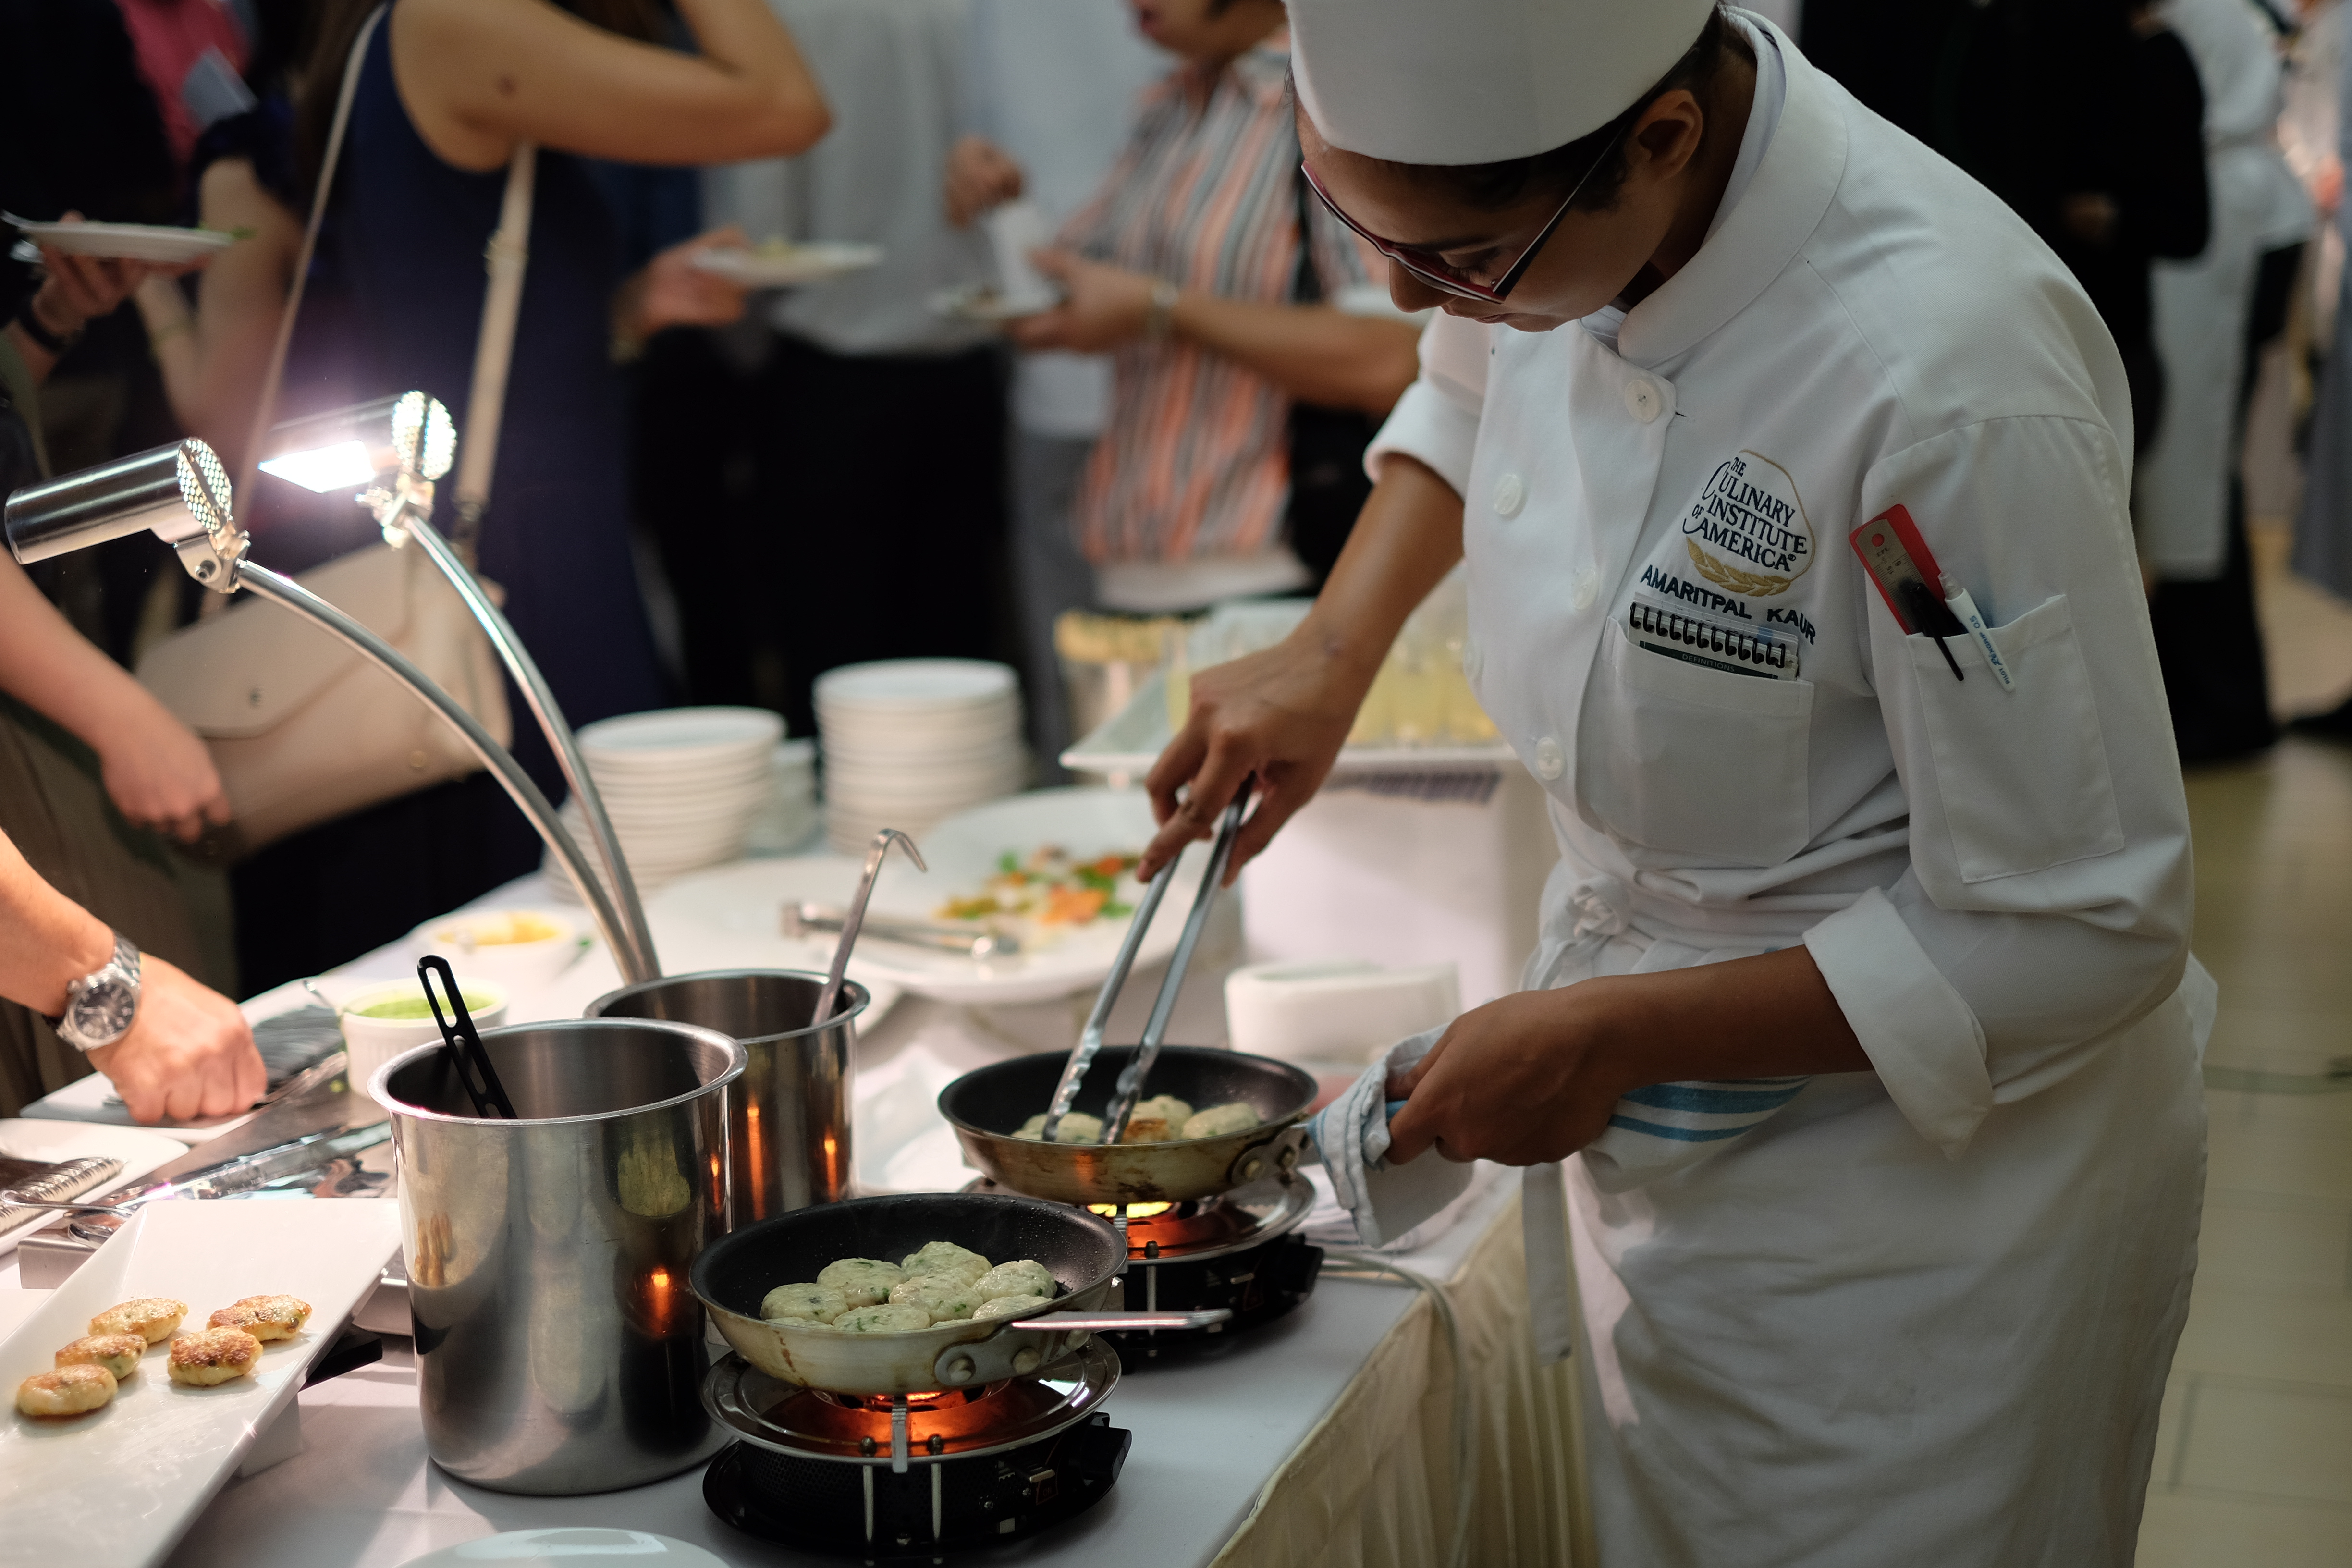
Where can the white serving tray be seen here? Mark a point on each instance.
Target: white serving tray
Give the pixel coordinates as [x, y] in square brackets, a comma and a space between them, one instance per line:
[119, 1488]
[1131, 740]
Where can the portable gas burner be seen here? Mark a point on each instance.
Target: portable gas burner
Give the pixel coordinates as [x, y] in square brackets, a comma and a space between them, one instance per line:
[911, 1477]
[1236, 1251]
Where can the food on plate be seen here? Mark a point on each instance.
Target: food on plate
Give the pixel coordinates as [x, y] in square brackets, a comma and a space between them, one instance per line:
[1162, 1119]
[1024, 1277]
[265, 1317]
[213, 1356]
[862, 1281]
[1050, 890]
[1077, 1127]
[808, 1303]
[942, 1296]
[152, 1318]
[118, 1353]
[946, 1258]
[939, 1282]
[894, 1318]
[499, 928]
[74, 1390]
[1233, 1116]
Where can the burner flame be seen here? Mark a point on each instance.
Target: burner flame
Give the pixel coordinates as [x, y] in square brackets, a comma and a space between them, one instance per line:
[1132, 1211]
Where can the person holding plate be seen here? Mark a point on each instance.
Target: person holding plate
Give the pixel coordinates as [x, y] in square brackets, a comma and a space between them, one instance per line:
[1792, 473]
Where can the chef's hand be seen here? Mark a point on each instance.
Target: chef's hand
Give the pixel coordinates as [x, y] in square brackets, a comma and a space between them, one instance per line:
[1529, 1078]
[188, 1055]
[1102, 306]
[1283, 714]
[980, 176]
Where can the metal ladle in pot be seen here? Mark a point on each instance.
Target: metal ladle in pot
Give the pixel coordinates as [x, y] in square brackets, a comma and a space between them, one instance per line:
[855, 918]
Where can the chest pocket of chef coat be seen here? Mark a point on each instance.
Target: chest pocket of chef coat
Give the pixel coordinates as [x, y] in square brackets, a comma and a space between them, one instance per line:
[2024, 775]
[1678, 757]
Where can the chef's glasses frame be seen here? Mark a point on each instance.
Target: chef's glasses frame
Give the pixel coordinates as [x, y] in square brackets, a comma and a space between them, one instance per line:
[1432, 269]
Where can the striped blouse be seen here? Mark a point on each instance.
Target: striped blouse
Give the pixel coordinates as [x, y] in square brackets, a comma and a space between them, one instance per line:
[1194, 461]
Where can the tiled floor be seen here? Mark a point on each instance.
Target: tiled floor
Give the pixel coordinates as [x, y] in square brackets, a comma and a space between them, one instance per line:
[2253, 1465]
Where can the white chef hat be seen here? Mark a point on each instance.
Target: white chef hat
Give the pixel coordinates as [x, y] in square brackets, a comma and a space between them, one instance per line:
[1477, 81]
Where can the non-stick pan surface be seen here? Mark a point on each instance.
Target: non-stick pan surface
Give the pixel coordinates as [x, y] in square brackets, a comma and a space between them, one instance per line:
[986, 1107]
[735, 1273]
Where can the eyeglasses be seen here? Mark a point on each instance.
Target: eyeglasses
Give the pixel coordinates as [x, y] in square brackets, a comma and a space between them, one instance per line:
[1432, 269]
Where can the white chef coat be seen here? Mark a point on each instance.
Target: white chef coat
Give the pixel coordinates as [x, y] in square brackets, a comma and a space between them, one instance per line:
[2201, 304]
[1923, 1314]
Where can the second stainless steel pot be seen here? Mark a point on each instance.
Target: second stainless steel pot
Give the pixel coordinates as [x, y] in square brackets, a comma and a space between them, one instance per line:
[789, 1114]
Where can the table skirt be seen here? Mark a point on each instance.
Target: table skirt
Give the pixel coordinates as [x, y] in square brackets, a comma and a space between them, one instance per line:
[1373, 1484]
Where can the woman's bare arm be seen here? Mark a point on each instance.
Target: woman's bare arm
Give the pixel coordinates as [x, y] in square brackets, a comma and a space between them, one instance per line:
[213, 358]
[478, 76]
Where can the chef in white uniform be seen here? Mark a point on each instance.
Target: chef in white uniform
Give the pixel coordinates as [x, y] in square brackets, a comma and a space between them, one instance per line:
[1864, 986]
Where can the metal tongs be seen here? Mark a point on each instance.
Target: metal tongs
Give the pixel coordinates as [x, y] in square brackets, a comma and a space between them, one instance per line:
[982, 941]
[1130, 1083]
[462, 1043]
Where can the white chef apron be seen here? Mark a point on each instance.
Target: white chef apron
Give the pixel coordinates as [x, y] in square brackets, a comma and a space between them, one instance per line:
[1825, 1313]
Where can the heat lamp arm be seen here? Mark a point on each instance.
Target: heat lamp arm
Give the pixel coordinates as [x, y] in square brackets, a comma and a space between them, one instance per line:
[551, 723]
[292, 596]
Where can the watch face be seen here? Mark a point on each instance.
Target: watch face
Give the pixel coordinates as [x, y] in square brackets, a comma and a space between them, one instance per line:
[104, 1012]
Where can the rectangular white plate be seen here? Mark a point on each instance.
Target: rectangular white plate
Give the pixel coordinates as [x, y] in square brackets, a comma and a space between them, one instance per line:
[131, 241]
[139, 1152]
[1131, 740]
[118, 1487]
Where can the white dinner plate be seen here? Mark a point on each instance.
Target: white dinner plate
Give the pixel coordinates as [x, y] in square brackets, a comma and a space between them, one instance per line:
[901, 685]
[579, 1546]
[121, 1486]
[962, 851]
[138, 1150]
[785, 266]
[670, 734]
[131, 241]
[731, 917]
[982, 303]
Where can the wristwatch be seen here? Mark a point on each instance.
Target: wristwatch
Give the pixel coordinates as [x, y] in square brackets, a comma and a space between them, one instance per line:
[101, 1005]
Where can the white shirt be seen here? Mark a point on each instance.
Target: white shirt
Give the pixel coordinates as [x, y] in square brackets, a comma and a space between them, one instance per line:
[892, 72]
[1822, 1314]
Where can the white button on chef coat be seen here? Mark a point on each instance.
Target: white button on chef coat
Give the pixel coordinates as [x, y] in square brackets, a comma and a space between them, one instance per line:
[1511, 494]
[1994, 884]
[1583, 587]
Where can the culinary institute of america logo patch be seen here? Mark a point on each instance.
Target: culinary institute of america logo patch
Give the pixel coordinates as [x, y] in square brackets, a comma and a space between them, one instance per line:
[1746, 533]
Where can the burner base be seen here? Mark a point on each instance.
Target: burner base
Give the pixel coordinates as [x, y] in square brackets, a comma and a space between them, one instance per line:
[866, 1512]
[1260, 1284]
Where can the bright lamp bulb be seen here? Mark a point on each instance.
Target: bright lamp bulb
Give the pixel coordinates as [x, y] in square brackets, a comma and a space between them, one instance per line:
[342, 467]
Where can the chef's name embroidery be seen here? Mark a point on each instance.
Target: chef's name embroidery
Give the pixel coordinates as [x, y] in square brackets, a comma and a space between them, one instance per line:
[1747, 532]
[1659, 580]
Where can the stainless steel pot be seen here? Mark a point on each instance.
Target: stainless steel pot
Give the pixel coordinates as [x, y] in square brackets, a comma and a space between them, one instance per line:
[1084, 1253]
[560, 1348]
[984, 1107]
[790, 1114]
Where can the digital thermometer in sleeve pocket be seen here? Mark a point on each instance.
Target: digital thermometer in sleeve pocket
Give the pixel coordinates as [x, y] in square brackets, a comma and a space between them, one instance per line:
[1908, 579]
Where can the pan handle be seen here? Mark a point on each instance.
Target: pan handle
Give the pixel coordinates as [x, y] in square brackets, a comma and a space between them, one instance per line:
[1012, 1353]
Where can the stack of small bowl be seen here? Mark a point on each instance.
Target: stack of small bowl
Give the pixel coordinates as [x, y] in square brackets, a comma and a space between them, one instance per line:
[908, 741]
[683, 786]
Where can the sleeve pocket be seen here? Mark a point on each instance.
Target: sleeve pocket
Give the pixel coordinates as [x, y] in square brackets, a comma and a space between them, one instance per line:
[2023, 775]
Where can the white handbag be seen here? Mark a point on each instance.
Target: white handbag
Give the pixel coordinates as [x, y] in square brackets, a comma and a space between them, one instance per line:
[302, 728]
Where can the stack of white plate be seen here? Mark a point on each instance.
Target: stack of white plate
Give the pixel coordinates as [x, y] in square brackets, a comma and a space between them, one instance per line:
[907, 741]
[683, 786]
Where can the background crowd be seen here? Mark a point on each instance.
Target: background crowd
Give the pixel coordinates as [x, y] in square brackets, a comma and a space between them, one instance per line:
[705, 494]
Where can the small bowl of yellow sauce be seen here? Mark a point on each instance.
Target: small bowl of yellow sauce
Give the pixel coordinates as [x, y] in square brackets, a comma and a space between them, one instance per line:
[519, 948]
